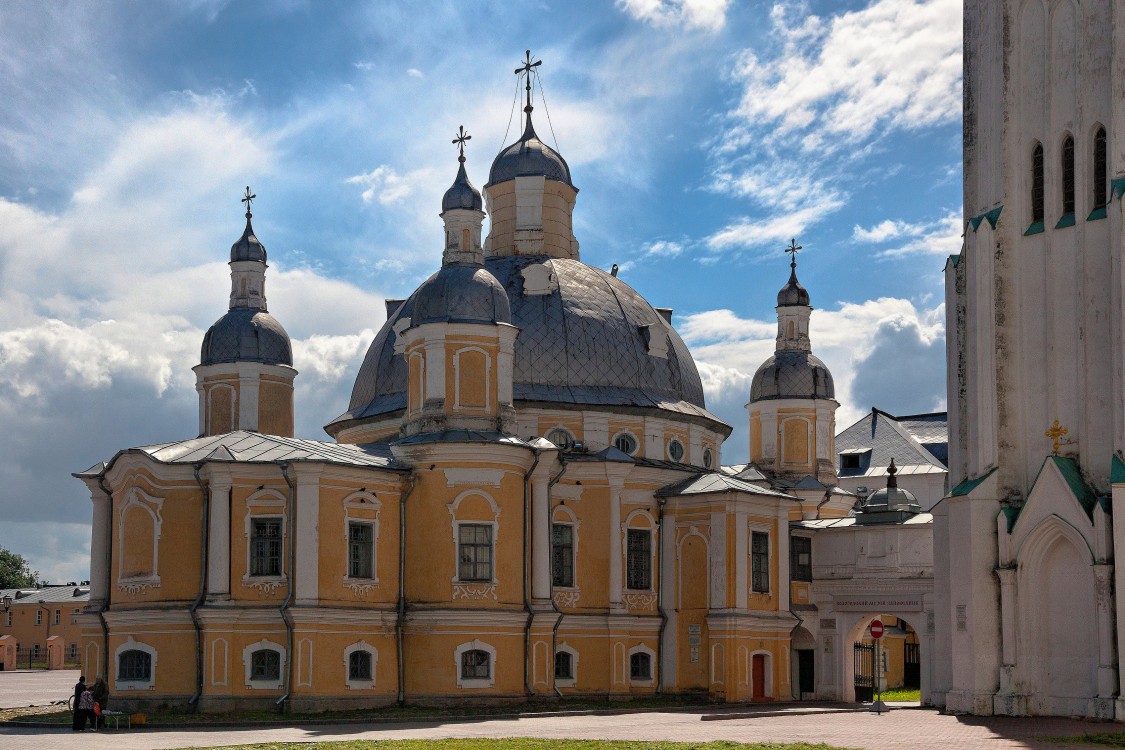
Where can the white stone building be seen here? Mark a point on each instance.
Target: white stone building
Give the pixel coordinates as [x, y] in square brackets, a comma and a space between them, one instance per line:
[1024, 544]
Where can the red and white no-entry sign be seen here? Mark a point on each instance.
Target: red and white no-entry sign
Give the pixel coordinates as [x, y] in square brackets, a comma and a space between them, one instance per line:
[876, 629]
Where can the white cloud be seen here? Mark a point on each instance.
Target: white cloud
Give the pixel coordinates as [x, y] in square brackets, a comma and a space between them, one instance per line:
[662, 248]
[386, 185]
[415, 73]
[884, 231]
[708, 15]
[940, 237]
[773, 230]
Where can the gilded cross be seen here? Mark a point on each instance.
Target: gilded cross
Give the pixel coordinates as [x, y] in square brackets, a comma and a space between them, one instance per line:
[460, 140]
[525, 68]
[793, 249]
[248, 198]
[1055, 433]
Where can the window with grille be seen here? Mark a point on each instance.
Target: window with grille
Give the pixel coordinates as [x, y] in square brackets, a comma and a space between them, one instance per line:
[1037, 183]
[800, 551]
[1100, 191]
[1068, 175]
[134, 666]
[361, 550]
[561, 438]
[57, 617]
[475, 665]
[35, 651]
[38, 617]
[359, 665]
[474, 552]
[676, 450]
[760, 561]
[562, 554]
[638, 559]
[640, 667]
[265, 547]
[625, 443]
[265, 664]
[564, 666]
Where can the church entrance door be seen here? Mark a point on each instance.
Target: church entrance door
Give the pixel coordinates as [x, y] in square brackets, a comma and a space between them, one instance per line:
[758, 678]
[805, 677]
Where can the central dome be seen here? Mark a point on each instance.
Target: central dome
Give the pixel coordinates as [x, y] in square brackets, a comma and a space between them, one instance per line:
[529, 156]
[583, 342]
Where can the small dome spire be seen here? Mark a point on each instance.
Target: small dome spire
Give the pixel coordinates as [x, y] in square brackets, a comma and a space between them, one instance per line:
[248, 247]
[793, 293]
[462, 193]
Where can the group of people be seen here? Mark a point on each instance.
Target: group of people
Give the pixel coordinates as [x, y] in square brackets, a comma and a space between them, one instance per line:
[89, 702]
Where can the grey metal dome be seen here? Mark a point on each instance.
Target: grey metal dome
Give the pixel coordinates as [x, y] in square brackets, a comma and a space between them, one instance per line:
[792, 374]
[582, 345]
[247, 334]
[461, 293]
[891, 499]
[461, 193]
[248, 247]
[529, 156]
[793, 293]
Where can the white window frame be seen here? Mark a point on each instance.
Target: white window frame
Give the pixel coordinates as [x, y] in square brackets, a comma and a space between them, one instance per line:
[565, 516]
[629, 434]
[573, 679]
[133, 645]
[362, 507]
[570, 435]
[641, 648]
[456, 528]
[248, 665]
[627, 526]
[760, 528]
[470, 684]
[683, 450]
[363, 646]
[265, 505]
[457, 378]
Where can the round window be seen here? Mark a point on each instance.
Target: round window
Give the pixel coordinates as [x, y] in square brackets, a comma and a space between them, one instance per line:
[560, 437]
[625, 443]
[676, 450]
[707, 458]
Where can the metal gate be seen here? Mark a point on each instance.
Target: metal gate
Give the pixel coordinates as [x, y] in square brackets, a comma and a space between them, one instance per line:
[864, 655]
[912, 667]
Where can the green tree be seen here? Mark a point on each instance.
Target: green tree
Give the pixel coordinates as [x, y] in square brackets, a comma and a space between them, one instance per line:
[15, 572]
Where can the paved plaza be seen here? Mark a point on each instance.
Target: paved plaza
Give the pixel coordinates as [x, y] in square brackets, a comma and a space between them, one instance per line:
[918, 729]
[36, 687]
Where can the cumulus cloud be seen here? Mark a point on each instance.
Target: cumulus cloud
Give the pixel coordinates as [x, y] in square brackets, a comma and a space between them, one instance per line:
[939, 237]
[708, 15]
[385, 185]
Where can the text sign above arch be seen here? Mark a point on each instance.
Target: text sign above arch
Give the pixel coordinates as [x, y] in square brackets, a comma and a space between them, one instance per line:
[878, 604]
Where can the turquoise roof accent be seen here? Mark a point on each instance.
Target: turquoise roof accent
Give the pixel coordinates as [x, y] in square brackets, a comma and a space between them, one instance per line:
[968, 485]
[1067, 220]
[992, 215]
[955, 259]
[1012, 513]
[1117, 187]
[1097, 213]
[1116, 470]
[1036, 228]
[1068, 467]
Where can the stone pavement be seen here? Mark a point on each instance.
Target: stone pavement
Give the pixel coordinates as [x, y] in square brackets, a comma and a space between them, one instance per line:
[916, 729]
[35, 687]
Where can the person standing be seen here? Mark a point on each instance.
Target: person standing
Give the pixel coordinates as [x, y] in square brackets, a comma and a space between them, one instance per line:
[101, 697]
[85, 710]
[79, 722]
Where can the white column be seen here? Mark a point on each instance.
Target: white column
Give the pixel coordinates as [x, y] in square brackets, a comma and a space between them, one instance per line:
[218, 538]
[615, 581]
[435, 369]
[1008, 617]
[307, 531]
[99, 542]
[540, 538]
[1107, 656]
[783, 560]
[202, 400]
[668, 592]
[249, 376]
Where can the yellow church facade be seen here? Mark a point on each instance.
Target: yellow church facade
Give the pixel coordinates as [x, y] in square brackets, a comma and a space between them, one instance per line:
[523, 499]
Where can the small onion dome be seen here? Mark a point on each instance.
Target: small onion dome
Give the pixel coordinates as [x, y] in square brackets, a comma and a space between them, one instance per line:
[891, 497]
[529, 156]
[461, 193]
[792, 374]
[248, 247]
[461, 293]
[247, 334]
[793, 293]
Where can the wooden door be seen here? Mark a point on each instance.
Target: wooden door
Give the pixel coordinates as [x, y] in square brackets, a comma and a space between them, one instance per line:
[758, 677]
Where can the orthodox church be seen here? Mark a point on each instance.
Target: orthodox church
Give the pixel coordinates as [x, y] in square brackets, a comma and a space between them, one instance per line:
[1029, 613]
[523, 498]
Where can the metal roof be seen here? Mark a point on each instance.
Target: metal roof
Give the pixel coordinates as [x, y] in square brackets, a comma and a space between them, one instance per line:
[792, 374]
[529, 156]
[248, 247]
[52, 594]
[246, 334]
[461, 293]
[715, 482]
[914, 442]
[839, 523]
[461, 194]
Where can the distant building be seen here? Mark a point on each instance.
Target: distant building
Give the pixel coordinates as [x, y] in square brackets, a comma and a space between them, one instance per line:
[35, 622]
[917, 443]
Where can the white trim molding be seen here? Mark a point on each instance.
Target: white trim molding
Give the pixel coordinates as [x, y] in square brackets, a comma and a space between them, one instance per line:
[360, 684]
[641, 648]
[137, 498]
[475, 645]
[362, 507]
[133, 645]
[573, 679]
[248, 663]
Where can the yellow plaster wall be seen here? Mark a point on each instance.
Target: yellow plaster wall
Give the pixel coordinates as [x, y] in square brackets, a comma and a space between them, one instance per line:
[27, 633]
[174, 667]
[275, 407]
[476, 371]
[755, 437]
[221, 404]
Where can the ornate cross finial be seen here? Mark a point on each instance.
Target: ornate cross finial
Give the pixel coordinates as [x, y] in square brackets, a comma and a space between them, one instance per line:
[793, 249]
[1055, 433]
[525, 68]
[460, 140]
[248, 198]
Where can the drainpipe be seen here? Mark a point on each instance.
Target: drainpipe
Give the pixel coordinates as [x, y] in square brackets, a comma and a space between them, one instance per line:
[46, 652]
[108, 577]
[193, 611]
[401, 614]
[559, 619]
[660, 594]
[284, 608]
[526, 591]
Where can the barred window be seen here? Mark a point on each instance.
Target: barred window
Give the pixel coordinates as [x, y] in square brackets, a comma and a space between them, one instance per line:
[800, 552]
[564, 666]
[676, 450]
[640, 667]
[265, 547]
[639, 559]
[561, 438]
[265, 664]
[359, 665]
[1037, 183]
[361, 550]
[625, 443]
[760, 561]
[1068, 175]
[1100, 192]
[562, 554]
[474, 552]
[475, 665]
[134, 665]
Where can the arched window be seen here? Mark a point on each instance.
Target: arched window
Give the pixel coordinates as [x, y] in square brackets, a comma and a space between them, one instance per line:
[359, 665]
[1068, 175]
[134, 666]
[475, 665]
[1037, 184]
[1100, 192]
[564, 666]
[708, 458]
[560, 437]
[265, 665]
[625, 443]
[676, 450]
[640, 666]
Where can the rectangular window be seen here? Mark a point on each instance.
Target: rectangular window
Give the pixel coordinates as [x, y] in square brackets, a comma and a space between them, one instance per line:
[58, 617]
[760, 562]
[849, 461]
[38, 617]
[361, 550]
[265, 547]
[9, 618]
[359, 665]
[474, 552]
[562, 554]
[564, 666]
[640, 667]
[638, 559]
[475, 665]
[74, 616]
[265, 664]
[800, 552]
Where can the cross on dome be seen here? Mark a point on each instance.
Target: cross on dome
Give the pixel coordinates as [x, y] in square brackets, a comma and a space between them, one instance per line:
[248, 199]
[525, 69]
[460, 140]
[793, 249]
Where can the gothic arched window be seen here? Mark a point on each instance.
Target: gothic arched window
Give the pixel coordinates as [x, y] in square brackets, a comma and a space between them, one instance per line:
[1100, 192]
[1037, 184]
[1068, 175]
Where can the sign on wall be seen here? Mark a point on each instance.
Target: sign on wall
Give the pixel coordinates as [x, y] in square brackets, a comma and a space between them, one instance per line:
[879, 603]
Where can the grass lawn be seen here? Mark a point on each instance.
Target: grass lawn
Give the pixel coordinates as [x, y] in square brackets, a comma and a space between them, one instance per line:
[902, 694]
[521, 743]
[1109, 739]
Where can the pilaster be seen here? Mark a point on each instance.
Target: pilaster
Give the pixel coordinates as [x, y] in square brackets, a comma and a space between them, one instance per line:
[307, 531]
[218, 534]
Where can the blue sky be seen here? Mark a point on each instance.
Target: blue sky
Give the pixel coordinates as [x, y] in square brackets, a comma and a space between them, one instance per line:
[702, 134]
